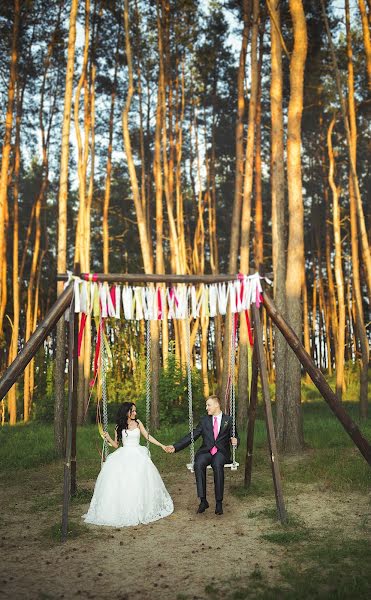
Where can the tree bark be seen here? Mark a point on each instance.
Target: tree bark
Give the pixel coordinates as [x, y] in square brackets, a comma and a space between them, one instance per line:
[5, 158]
[13, 350]
[243, 392]
[356, 228]
[339, 277]
[278, 209]
[293, 437]
[145, 240]
[366, 39]
[62, 233]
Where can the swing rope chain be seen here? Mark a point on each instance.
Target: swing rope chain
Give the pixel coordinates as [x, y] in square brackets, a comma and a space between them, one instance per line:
[103, 359]
[190, 398]
[148, 379]
[232, 389]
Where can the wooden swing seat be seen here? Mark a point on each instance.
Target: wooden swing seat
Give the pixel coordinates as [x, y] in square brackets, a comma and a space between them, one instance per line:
[232, 466]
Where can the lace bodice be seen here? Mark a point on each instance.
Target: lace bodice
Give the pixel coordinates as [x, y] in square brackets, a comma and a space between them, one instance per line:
[130, 437]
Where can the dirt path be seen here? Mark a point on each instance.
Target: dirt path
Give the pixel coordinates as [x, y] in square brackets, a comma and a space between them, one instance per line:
[180, 557]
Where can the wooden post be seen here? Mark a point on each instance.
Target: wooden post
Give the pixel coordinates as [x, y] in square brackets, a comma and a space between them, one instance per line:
[318, 379]
[251, 419]
[37, 338]
[77, 272]
[258, 343]
[67, 460]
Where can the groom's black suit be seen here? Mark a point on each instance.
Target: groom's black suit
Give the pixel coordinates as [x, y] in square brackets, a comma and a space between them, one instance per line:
[203, 457]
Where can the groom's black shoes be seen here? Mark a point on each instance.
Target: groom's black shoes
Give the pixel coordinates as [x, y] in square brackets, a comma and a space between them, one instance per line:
[203, 506]
[219, 508]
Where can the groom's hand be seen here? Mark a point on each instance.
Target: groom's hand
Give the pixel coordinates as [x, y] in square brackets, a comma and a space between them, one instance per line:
[169, 449]
[234, 441]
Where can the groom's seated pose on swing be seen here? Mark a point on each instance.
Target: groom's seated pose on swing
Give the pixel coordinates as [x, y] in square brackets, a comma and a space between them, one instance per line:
[216, 431]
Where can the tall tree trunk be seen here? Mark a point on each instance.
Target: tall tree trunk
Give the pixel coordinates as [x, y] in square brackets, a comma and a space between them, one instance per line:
[243, 392]
[293, 437]
[238, 185]
[13, 350]
[5, 158]
[278, 209]
[259, 240]
[107, 187]
[145, 240]
[356, 228]
[366, 40]
[339, 277]
[62, 233]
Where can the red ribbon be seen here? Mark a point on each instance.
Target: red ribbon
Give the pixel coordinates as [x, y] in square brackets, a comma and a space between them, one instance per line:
[241, 279]
[97, 353]
[159, 304]
[113, 296]
[81, 333]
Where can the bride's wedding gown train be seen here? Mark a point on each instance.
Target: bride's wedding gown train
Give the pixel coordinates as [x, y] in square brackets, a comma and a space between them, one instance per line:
[129, 489]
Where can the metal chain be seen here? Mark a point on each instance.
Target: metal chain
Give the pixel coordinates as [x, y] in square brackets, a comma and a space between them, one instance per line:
[103, 364]
[148, 378]
[232, 388]
[190, 397]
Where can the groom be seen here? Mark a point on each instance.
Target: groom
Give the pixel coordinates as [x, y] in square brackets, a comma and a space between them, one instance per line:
[216, 431]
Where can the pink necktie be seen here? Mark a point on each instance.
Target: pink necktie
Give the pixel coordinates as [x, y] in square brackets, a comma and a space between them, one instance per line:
[214, 449]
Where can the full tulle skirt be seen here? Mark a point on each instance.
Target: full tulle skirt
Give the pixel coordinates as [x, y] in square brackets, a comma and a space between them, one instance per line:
[129, 491]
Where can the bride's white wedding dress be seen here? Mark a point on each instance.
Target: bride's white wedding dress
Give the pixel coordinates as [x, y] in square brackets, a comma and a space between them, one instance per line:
[129, 489]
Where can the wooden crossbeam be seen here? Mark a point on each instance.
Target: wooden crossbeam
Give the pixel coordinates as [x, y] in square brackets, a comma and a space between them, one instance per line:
[154, 278]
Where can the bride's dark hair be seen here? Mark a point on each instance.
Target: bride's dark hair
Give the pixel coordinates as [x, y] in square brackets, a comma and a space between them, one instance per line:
[122, 419]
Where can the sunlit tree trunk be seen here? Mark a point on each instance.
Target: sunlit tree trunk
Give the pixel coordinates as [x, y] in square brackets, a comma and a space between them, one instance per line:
[356, 229]
[243, 393]
[293, 437]
[5, 158]
[13, 350]
[366, 39]
[339, 277]
[62, 232]
[238, 185]
[145, 241]
[107, 188]
[278, 209]
[259, 240]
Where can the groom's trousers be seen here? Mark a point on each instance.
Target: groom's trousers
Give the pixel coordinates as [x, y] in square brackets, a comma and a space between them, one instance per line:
[217, 463]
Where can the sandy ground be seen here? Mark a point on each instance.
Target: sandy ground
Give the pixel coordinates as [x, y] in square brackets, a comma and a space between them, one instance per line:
[175, 558]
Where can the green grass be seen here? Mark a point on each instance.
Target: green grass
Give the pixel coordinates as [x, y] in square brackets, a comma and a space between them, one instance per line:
[331, 459]
[75, 530]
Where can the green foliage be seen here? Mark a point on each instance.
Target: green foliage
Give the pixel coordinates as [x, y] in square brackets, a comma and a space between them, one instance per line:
[173, 393]
[44, 404]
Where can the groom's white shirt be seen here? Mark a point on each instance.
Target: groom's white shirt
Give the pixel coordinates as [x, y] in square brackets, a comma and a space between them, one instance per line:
[219, 420]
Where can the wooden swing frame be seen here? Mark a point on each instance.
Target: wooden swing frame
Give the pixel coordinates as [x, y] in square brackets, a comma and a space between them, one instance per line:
[66, 302]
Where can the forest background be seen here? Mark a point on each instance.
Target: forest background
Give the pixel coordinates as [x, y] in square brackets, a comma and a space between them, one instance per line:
[187, 137]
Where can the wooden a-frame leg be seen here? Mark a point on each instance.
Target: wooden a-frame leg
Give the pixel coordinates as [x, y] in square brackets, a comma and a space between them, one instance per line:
[67, 460]
[258, 343]
[251, 419]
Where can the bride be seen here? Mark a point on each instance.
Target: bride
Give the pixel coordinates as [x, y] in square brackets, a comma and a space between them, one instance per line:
[129, 489]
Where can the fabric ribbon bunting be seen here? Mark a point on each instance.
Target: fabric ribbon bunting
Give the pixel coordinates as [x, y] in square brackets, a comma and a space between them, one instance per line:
[177, 302]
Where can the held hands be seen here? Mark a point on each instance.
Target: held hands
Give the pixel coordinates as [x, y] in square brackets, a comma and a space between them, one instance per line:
[169, 449]
[234, 441]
